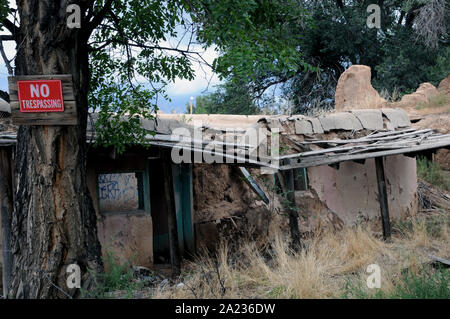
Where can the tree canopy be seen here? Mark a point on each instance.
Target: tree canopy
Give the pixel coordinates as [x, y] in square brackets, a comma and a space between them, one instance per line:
[317, 40]
[227, 99]
[301, 47]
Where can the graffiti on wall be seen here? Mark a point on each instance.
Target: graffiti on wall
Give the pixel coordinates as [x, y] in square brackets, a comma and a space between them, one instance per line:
[118, 192]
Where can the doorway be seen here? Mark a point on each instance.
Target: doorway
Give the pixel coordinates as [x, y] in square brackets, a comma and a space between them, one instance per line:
[182, 188]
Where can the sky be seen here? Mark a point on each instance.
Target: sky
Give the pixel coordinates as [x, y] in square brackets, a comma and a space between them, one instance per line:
[179, 92]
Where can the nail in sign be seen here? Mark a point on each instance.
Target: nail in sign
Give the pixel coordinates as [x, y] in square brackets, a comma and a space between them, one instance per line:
[40, 96]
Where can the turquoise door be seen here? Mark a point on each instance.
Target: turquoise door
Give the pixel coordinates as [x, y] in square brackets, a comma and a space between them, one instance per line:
[182, 188]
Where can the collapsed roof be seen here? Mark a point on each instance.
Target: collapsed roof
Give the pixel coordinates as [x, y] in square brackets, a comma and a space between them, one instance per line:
[323, 140]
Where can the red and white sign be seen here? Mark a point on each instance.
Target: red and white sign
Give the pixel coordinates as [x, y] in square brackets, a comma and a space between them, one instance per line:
[40, 96]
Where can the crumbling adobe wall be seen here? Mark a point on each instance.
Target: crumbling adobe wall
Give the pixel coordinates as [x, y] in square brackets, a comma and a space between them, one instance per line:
[225, 207]
[128, 236]
[351, 192]
[219, 192]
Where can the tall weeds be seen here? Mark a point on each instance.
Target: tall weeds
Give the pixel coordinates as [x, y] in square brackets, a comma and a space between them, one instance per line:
[332, 265]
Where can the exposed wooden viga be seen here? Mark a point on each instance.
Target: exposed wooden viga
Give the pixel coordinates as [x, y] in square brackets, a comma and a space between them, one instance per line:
[68, 117]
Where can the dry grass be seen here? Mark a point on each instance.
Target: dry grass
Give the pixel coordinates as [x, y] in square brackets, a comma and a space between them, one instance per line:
[439, 101]
[326, 268]
[393, 96]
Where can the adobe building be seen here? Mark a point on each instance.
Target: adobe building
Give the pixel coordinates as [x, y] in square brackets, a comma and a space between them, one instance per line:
[333, 161]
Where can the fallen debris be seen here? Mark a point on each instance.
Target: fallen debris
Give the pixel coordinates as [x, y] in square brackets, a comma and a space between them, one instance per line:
[446, 262]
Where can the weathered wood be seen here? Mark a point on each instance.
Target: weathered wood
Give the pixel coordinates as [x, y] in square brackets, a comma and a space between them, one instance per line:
[253, 184]
[383, 198]
[54, 222]
[188, 208]
[178, 191]
[326, 160]
[370, 138]
[446, 262]
[237, 159]
[6, 208]
[66, 83]
[175, 258]
[287, 182]
[68, 117]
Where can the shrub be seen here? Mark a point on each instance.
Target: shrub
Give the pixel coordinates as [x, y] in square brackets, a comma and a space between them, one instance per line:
[116, 277]
[432, 173]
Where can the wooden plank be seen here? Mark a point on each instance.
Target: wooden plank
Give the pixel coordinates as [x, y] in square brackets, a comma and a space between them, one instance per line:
[354, 148]
[188, 141]
[383, 198]
[239, 159]
[440, 260]
[323, 160]
[177, 191]
[66, 83]
[146, 182]
[287, 183]
[368, 138]
[68, 117]
[175, 259]
[253, 185]
[188, 208]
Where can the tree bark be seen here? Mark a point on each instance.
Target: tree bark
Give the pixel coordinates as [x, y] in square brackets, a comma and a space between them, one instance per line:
[54, 222]
[6, 204]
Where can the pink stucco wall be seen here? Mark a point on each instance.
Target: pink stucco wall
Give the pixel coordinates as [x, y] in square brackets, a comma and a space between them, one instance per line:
[352, 190]
[128, 236]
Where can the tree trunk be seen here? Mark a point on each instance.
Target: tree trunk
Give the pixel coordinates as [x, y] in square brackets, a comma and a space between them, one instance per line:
[54, 222]
[6, 203]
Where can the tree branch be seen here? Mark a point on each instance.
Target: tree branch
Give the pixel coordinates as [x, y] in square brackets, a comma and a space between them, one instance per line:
[7, 37]
[11, 27]
[98, 18]
[5, 59]
[4, 95]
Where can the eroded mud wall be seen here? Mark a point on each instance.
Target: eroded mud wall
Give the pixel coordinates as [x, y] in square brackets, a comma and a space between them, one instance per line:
[225, 208]
[129, 236]
[351, 193]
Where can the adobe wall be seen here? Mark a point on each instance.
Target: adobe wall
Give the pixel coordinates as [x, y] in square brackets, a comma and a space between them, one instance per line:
[351, 193]
[225, 207]
[126, 235]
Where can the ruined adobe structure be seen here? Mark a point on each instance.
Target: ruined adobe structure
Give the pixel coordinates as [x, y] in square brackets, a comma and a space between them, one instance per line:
[354, 91]
[214, 201]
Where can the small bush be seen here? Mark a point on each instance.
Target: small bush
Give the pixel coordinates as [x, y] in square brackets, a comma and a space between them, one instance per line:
[432, 173]
[116, 277]
[436, 101]
[427, 283]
